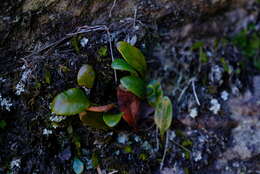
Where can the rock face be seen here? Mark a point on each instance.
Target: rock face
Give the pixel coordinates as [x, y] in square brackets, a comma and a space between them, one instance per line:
[244, 144]
[246, 136]
[166, 30]
[24, 22]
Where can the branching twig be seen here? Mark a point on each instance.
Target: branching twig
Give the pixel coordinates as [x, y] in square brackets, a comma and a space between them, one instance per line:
[54, 44]
[81, 30]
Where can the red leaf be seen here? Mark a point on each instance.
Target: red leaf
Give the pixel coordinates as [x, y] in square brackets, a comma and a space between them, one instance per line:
[129, 104]
[104, 108]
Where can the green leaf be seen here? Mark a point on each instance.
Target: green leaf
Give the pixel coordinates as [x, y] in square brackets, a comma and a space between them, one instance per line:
[86, 76]
[133, 56]
[103, 51]
[197, 45]
[2, 124]
[75, 44]
[154, 92]
[134, 85]
[112, 119]
[78, 166]
[70, 102]
[203, 56]
[163, 114]
[94, 120]
[47, 76]
[120, 64]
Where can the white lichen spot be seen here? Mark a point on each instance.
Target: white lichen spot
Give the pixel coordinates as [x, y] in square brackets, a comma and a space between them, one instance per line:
[197, 156]
[57, 119]
[215, 106]
[55, 126]
[122, 138]
[235, 91]
[5, 103]
[137, 139]
[84, 42]
[171, 135]
[47, 132]
[216, 74]
[193, 112]
[20, 87]
[133, 40]
[87, 90]
[146, 146]
[2, 79]
[224, 95]
[16, 163]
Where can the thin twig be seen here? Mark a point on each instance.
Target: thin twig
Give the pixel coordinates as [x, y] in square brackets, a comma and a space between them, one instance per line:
[181, 146]
[115, 171]
[194, 91]
[182, 92]
[113, 6]
[135, 14]
[157, 139]
[81, 30]
[54, 44]
[165, 150]
[99, 170]
[111, 52]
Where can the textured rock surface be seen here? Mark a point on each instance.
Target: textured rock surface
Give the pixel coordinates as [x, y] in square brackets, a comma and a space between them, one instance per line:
[166, 31]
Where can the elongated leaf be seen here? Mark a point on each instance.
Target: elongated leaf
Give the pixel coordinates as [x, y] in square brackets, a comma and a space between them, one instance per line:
[70, 102]
[133, 56]
[163, 114]
[112, 119]
[154, 92]
[120, 64]
[78, 166]
[134, 85]
[86, 76]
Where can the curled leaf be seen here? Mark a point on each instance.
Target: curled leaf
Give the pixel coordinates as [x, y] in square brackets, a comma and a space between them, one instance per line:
[133, 56]
[134, 85]
[163, 114]
[70, 102]
[120, 64]
[129, 104]
[86, 76]
[154, 92]
[112, 119]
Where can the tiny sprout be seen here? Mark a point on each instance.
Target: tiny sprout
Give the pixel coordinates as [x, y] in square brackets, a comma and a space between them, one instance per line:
[86, 76]
[163, 114]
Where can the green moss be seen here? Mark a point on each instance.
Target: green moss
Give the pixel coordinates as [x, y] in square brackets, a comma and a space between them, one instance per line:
[128, 149]
[248, 41]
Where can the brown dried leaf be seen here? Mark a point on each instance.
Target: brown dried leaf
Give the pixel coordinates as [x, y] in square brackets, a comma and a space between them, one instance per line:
[129, 104]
